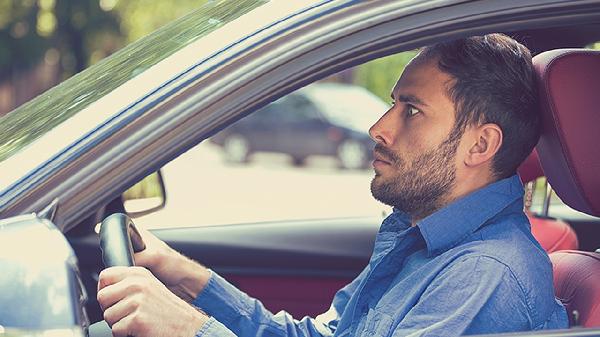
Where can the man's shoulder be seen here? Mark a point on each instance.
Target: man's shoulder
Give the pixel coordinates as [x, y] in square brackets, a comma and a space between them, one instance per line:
[511, 242]
[512, 245]
[511, 249]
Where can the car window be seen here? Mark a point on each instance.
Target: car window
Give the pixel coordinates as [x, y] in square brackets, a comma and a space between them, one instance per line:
[297, 108]
[282, 178]
[35, 118]
[556, 208]
[342, 104]
[266, 114]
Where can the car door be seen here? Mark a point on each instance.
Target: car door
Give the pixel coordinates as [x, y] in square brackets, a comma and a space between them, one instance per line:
[296, 266]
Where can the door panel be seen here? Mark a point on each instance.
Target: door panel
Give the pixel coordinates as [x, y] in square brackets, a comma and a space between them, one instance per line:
[295, 266]
[300, 296]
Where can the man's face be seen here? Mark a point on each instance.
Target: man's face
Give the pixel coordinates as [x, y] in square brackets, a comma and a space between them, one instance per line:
[415, 155]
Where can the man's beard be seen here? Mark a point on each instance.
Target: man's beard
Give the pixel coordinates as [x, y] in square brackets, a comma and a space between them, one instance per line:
[420, 187]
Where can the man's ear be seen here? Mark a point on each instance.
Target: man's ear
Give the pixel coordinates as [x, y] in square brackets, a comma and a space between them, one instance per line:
[487, 142]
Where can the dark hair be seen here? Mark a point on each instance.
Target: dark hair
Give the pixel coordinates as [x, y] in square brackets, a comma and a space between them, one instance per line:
[493, 82]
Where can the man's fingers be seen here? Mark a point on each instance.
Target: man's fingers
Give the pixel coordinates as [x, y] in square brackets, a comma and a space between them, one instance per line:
[113, 286]
[150, 257]
[122, 328]
[112, 294]
[131, 325]
[112, 275]
[121, 309]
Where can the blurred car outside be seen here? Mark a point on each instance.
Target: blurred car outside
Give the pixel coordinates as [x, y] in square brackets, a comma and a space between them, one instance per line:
[325, 119]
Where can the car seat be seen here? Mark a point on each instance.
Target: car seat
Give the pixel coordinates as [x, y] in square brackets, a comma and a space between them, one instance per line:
[569, 80]
[552, 234]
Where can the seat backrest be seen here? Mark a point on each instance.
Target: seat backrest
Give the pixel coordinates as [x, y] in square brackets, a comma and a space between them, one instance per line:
[552, 234]
[576, 276]
[569, 80]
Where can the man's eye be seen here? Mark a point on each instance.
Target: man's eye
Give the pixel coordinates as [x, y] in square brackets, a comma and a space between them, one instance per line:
[411, 111]
[392, 103]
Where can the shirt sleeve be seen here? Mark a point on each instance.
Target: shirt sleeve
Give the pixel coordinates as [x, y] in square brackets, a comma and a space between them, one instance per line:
[477, 295]
[213, 328]
[236, 314]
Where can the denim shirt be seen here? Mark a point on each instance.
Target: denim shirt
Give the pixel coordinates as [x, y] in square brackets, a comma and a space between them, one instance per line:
[472, 267]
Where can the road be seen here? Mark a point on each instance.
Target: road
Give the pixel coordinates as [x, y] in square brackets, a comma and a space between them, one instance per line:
[204, 190]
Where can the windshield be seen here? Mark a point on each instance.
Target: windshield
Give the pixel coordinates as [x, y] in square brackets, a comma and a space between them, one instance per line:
[35, 118]
[347, 105]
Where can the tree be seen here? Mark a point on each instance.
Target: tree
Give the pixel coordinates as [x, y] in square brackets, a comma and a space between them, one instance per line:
[69, 30]
[380, 76]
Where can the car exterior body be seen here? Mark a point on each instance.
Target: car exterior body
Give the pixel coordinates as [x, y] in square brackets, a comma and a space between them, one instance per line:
[98, 138]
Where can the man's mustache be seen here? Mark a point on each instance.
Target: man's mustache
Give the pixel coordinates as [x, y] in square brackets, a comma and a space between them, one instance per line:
[387, 154]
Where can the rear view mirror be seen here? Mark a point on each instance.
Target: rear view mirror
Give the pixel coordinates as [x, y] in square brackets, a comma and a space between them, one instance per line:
[145, 197]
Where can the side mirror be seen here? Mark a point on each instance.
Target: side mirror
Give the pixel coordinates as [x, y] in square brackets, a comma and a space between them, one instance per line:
[316, 120]
[145, 197]
[41, 293]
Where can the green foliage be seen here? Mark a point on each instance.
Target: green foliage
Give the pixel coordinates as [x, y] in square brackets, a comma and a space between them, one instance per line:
[379, 76]
[20, 45]
[148, 187]
[29, 29]
[35, 118]
[82, 31]
[139, 18]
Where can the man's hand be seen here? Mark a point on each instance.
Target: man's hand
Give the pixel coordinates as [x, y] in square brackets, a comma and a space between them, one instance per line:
[135, 303]
[184, 277]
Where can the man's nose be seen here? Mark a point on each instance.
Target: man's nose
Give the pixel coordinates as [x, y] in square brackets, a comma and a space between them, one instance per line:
[379, 133]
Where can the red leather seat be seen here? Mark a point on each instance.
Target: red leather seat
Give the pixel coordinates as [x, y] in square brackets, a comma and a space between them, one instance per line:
[531, 169]
[576, 276]
[553, 235]
[569, 80]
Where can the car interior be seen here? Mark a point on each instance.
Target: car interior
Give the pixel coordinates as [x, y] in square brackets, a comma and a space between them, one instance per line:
[292, 265]
[569, 79]
[552, 234]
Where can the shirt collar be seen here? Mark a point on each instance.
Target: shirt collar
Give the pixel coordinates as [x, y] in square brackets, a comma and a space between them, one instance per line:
[395, 222]
[450, 225]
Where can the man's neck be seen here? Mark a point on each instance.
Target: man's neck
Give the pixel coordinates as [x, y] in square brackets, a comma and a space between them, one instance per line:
[460, 189]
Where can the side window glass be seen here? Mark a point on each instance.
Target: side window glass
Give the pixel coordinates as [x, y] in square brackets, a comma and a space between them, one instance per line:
[264, 114]
[545, 202]
[302, 108]
[266, 168]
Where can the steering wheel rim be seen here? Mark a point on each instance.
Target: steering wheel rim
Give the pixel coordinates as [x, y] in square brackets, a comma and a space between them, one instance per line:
[119, 239]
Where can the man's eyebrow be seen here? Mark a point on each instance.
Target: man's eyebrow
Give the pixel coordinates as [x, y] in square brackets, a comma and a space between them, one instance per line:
[410, 99]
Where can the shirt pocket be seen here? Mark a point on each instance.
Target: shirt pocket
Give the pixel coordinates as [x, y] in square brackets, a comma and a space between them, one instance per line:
[378, 323]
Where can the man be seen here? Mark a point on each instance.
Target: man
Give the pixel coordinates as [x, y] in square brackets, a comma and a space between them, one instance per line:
[455, 257]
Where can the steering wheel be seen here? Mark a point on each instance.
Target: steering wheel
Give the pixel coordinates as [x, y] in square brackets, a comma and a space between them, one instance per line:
[119, 239]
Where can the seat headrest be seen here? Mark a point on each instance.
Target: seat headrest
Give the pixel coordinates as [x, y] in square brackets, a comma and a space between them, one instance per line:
[531, 168]
[569, 147]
